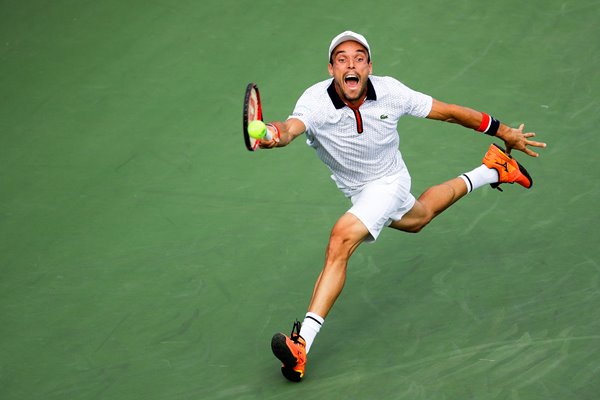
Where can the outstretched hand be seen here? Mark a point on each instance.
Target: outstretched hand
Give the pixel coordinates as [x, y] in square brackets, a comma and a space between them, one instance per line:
[516, 139]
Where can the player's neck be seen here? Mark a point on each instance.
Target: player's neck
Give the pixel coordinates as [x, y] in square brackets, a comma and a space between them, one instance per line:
[353, 104]
[357, 103]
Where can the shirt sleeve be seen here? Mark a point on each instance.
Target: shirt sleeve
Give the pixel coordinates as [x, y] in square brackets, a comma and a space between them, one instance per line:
[302, 111]
[413, 102]
[421, 104]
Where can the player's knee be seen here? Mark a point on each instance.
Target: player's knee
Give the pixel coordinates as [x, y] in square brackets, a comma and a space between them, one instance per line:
[424, 222]
[340, 245]
[416, 228]
[419, 224]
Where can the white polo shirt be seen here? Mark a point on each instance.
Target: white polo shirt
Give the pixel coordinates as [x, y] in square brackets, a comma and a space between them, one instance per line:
[359, 146]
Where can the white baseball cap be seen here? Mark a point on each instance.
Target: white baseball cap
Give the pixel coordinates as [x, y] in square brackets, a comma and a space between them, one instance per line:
[344, 37]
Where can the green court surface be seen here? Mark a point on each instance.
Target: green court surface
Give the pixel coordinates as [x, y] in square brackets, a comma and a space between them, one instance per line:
[145, 254]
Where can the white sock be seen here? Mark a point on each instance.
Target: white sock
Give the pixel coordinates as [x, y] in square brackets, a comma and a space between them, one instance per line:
[310, 327]
[479, 177]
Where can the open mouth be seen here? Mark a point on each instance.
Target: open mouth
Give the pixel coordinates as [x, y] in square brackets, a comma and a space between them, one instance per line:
[351, 80]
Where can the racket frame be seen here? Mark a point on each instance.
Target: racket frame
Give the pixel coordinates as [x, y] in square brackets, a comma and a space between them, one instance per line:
[252, 112]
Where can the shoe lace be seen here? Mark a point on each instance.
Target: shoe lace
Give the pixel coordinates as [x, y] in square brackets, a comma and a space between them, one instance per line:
[295, 334]
[496, 186]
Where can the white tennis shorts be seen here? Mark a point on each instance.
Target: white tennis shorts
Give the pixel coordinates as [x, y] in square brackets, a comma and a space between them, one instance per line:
[382, 201]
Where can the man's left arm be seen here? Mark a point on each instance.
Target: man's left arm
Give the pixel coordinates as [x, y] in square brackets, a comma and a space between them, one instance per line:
[469, 118]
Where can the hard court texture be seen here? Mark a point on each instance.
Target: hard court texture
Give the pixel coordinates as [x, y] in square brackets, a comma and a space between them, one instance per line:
[145, 254]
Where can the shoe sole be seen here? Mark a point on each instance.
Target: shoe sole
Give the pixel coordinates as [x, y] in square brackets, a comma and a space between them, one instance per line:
[283, 353]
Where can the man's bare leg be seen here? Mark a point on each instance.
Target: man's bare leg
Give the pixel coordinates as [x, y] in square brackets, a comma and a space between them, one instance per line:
[430, 204]
[347, 234]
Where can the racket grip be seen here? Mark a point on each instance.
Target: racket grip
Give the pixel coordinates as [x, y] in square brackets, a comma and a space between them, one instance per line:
[276, 132]
[268, 135]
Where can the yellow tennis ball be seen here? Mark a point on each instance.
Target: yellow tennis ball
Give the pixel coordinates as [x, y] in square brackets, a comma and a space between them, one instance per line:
[257, 129]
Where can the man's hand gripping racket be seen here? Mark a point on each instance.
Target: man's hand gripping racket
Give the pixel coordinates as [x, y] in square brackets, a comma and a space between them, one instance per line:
[258, 130]
[254, 129]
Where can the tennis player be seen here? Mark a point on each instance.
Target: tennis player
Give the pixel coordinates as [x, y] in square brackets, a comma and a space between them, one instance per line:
[351, 121]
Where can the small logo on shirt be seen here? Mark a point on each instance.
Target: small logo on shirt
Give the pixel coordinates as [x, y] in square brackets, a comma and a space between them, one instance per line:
[383, 116]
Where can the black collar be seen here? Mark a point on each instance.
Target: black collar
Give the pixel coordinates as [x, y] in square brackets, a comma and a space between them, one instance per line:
[339, 103]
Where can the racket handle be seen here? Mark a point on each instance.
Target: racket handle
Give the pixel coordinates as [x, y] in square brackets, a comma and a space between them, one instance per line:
[268, 135]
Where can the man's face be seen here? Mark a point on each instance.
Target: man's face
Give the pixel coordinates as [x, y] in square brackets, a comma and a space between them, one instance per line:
[350, 70]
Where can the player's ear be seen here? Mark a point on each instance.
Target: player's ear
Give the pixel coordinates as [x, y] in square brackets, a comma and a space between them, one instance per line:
[330, 68]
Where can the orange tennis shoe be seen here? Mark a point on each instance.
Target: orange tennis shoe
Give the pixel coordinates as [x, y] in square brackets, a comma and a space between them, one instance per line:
[291, 351]
[509, 170]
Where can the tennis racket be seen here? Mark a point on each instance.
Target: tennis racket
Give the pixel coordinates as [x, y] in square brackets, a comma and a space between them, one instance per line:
[252, 112]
